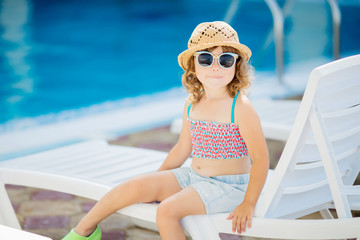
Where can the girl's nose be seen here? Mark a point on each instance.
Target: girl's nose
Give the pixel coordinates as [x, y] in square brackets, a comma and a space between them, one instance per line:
[215, 66]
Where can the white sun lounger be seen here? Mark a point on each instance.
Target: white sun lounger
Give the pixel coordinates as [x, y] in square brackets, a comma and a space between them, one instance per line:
[316, 171]
[16, 234]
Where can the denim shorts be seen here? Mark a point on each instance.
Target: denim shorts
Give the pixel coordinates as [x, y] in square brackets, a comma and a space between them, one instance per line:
[220, 194]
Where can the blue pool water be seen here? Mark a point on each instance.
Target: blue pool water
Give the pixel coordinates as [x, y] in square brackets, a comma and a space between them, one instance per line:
[60, 55]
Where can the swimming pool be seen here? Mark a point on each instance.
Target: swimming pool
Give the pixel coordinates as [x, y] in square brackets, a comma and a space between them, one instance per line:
[65, 59]
[59, 55]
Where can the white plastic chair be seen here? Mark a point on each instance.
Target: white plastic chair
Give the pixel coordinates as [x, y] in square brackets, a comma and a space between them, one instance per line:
[316, 171]
[317, 168]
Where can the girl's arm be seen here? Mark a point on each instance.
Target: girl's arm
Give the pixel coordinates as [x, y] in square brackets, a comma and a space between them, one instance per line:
[182, 149]
[251, 131]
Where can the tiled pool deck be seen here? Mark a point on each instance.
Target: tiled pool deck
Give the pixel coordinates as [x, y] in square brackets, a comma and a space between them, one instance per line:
[53, 214]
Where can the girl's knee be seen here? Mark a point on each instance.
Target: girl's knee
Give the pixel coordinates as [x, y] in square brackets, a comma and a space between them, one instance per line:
[168, 221]
[166, 211]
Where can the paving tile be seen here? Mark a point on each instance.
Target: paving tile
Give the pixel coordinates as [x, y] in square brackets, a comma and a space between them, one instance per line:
[114, 235]
[49, 208]
[20, 218]
[45, 222]
[87, 206]
[143, 234]
[275, 150]
[122, 138]
[165, 147]
[42, 195]
[165, 128]
[225, 236]
[10, 186]
[116, 222]
[161, 135]
[15, 206]
[18, 195]
[75, 219]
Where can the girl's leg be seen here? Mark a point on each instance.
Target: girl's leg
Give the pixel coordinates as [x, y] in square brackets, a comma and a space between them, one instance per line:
[144, 188]
[171, 210]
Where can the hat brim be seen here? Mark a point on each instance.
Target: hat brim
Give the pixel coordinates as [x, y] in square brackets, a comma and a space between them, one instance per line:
[183, 57]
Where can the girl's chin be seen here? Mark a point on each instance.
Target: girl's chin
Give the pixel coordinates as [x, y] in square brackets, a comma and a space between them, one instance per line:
[215, 87]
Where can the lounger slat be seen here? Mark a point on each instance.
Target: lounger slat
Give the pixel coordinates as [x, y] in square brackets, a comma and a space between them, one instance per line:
[310, 153]
[340, 100]
[58, 153]
[54, 163]
[340, 121]
[306, 188]
[289, 205]
[346, 141]
[119, 169]
[342, 142]
[106, 159]
[333, 85]
[311, 173]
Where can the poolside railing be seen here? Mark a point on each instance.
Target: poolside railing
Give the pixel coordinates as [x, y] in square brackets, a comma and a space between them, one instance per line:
[278, 26]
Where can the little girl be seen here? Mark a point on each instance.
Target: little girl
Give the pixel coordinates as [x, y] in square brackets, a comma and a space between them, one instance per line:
[221, 131]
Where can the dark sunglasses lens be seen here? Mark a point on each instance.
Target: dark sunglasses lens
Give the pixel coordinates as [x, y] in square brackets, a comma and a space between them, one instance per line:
[227, 60]
[205, 59]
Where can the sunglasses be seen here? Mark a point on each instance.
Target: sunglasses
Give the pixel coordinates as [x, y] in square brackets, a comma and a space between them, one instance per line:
[206, 59]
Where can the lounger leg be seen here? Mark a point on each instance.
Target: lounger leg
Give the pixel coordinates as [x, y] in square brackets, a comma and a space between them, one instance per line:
[7, 213]
[326, 214]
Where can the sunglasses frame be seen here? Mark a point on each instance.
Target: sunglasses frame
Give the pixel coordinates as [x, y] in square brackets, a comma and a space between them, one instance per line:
[234, 55]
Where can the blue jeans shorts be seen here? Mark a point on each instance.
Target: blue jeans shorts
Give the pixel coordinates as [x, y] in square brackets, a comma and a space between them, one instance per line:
[220, 194]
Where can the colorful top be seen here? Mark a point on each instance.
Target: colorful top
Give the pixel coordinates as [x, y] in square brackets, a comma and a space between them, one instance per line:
[217, 140]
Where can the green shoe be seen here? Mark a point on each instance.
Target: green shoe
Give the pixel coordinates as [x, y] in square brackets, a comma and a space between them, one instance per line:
[72, 235]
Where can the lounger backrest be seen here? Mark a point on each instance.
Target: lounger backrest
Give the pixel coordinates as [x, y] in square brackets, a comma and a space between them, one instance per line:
[321, 158]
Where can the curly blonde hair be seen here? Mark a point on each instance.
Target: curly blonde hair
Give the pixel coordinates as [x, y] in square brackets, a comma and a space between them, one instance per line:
[241, 81]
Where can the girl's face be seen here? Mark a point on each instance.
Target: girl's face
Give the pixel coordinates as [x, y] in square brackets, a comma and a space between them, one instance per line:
[214, 77]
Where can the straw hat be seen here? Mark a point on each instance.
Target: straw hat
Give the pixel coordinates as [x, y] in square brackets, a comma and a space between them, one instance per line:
[211, 34]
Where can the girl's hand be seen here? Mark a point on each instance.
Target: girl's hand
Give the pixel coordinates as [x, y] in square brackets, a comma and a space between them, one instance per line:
[242, 216]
